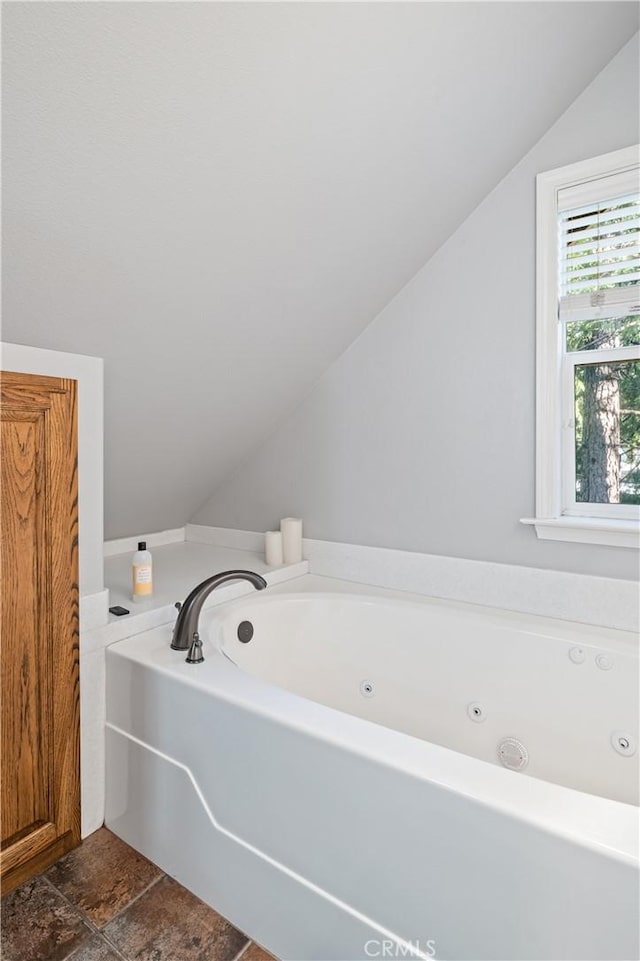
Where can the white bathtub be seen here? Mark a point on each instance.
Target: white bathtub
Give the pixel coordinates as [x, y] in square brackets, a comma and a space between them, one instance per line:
[329, 787]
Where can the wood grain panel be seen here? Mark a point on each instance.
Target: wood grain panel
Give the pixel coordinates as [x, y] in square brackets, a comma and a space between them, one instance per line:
[24, 635]
[39, 670]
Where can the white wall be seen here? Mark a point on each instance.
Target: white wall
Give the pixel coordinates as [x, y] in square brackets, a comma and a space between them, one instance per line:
[421, 436]
[217, 198]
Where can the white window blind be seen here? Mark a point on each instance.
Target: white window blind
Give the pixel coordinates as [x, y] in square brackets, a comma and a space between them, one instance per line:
[599, 248]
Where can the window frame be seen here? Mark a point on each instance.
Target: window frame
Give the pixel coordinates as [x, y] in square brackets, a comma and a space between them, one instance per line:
[558, 515]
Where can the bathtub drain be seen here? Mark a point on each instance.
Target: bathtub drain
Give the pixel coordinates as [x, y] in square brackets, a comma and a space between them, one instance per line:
[366, 689]
[513, 754]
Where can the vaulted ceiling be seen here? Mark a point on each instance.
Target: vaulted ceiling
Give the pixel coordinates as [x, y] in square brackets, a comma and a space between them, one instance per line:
[217, 198]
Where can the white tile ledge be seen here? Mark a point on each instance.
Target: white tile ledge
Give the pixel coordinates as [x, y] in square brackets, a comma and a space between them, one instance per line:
[587, 530]
[138, 621]
[586, 599]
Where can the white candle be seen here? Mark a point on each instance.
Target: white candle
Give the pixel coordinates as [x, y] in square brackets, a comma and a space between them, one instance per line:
[291, 528]
[273, 548]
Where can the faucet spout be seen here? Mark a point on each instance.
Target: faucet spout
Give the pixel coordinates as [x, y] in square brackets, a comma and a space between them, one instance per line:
[189, 614]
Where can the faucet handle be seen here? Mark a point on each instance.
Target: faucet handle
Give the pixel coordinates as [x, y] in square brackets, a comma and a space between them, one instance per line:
[195, 655]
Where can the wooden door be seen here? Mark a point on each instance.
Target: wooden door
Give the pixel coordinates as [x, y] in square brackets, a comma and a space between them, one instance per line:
[39, 671]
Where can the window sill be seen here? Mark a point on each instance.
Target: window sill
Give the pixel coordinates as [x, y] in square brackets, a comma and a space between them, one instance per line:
[587, 530]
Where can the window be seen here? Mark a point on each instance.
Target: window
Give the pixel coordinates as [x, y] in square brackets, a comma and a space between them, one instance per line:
[588, 351]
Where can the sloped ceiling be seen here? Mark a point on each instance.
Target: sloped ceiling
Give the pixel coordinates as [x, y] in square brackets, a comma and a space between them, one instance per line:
[218, 197]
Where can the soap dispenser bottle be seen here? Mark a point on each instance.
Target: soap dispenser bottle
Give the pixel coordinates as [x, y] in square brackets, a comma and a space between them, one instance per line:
[142, 573]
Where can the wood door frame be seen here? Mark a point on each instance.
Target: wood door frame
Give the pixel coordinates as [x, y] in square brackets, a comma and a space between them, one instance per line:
[56, 399]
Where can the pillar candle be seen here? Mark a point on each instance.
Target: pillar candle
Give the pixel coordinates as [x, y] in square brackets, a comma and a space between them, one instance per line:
[273, 548]
[291, 528]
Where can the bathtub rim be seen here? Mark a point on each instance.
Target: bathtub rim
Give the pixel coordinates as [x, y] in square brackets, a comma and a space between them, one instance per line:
[612, 639]
[607, 827]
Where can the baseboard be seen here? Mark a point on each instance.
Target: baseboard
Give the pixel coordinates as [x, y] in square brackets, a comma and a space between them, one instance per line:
[225, 537]
[124, 545]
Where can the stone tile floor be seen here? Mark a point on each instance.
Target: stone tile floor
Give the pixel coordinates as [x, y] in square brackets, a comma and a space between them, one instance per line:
[105, 902]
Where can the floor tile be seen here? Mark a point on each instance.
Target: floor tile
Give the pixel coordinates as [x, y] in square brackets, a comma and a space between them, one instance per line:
[102, 876]
[96, 949]
[168, 923]
[39, 925]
